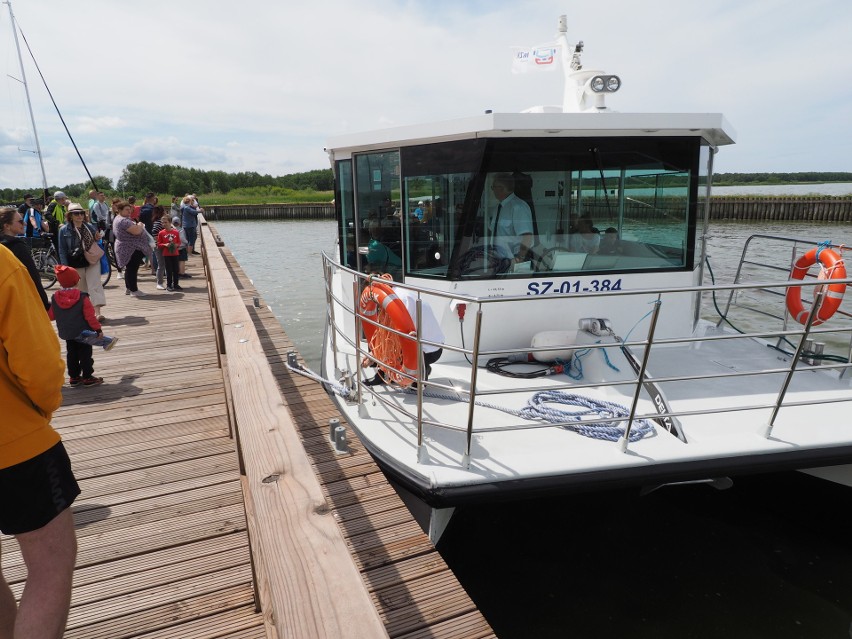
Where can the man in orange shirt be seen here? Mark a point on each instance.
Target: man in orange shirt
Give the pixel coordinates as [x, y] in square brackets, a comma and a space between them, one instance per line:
[37, 486]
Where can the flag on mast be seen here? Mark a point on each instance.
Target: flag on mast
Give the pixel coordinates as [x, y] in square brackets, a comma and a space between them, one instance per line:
[531, 59]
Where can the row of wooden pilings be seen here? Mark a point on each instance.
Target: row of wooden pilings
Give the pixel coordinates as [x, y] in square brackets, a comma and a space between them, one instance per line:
[305, 211]
[791, 208]
[753, 208]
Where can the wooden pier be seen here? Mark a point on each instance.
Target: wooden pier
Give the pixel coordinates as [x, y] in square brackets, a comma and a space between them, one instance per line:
[213, 504]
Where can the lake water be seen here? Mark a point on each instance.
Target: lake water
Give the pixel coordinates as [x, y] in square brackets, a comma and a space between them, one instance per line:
[771, 558]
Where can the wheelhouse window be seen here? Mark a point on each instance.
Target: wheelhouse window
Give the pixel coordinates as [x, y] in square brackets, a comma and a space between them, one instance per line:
[520, 207]
[512, 207]
[378, 228]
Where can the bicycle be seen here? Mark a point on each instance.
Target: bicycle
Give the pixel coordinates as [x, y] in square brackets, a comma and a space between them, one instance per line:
[109, 247]
[45, 258]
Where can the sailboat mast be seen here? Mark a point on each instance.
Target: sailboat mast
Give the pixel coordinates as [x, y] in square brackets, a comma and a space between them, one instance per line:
[27, 92]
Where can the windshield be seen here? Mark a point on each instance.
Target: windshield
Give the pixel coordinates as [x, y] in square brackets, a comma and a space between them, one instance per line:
[491, 208]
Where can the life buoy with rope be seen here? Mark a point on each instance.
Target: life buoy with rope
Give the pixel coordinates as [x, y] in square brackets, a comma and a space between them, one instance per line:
[831, 268]
[380, 303]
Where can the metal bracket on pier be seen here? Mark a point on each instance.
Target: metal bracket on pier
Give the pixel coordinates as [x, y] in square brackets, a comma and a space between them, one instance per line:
[341, 446]
[332, 425]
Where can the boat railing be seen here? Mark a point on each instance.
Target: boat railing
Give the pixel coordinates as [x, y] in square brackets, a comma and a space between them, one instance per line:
[781, 260]
[791, 361]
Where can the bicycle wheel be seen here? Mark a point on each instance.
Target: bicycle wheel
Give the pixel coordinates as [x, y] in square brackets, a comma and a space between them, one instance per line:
[110, 251]
[105, 276]
[47, 272]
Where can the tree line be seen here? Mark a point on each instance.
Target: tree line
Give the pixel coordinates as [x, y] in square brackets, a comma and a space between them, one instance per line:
[807, 177]
[140, 177]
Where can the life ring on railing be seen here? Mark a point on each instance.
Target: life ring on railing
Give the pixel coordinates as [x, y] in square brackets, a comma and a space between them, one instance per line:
[832, 268]
[389, 348]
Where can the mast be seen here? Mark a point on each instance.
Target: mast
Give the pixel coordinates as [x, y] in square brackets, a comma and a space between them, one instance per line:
[27, 92]
[585, 89]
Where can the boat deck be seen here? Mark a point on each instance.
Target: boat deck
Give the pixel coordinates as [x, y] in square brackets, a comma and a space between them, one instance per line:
[721, 387]
[165, 548]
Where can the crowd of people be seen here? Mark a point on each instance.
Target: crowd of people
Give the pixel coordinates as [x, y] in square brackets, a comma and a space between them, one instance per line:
[37, 484]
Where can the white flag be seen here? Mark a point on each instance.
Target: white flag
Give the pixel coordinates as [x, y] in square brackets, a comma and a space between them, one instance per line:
[529, 59]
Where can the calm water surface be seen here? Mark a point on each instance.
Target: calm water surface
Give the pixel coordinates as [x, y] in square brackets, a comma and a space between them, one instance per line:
[771, 558]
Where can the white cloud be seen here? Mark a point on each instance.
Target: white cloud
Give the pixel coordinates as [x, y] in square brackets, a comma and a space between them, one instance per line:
[261, 88]
[86, 124]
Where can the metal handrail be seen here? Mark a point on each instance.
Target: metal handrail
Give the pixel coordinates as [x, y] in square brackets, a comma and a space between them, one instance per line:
[794, 361]
[475, 352]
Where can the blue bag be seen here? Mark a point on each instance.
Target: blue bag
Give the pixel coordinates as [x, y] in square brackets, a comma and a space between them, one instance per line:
[104, 262]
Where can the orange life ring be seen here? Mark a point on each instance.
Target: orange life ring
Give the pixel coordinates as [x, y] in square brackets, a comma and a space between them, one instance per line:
[835, 268]
[394, 352]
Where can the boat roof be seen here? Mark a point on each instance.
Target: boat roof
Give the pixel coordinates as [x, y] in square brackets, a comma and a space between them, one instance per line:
[712, 127]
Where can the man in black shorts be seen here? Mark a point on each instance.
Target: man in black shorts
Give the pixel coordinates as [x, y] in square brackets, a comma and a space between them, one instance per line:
[37, 486]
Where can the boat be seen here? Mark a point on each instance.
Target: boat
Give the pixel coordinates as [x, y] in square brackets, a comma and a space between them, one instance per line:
[588, 347]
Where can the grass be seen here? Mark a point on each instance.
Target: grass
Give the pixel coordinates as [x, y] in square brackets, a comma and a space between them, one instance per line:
[265, 195]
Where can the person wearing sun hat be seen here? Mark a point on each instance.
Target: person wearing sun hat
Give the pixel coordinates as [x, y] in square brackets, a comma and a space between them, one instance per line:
[76, 237]
[74, 316]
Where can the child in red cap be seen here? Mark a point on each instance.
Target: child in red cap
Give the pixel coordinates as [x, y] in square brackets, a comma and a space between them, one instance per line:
[78, 325]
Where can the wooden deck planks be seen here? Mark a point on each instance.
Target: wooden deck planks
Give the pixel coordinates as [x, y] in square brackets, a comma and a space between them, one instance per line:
[163, 549]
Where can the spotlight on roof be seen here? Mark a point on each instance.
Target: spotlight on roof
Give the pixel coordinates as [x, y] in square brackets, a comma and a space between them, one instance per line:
[605, 83]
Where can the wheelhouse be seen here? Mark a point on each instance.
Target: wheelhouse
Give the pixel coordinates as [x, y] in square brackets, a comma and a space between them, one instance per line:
[608, 193]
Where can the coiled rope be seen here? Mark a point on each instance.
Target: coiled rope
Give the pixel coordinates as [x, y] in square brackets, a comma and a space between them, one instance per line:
[614, 416]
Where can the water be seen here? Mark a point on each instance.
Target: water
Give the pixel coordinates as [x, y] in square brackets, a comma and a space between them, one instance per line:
[770, 558]
[283, 260]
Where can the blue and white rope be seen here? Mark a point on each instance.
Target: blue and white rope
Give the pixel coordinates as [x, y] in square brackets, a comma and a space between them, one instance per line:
[615, 415]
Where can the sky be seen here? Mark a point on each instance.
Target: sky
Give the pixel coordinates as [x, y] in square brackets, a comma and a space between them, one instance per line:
[252, 85]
